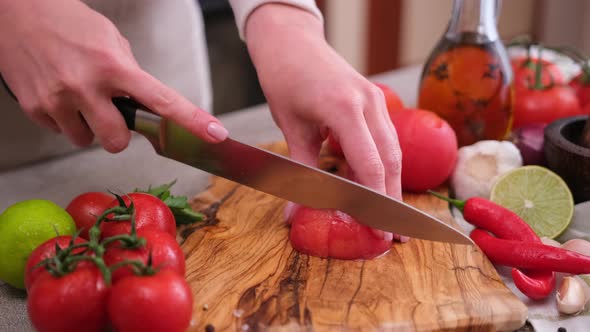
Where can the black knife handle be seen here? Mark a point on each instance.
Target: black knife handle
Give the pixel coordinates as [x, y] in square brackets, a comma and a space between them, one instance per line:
[127, 106]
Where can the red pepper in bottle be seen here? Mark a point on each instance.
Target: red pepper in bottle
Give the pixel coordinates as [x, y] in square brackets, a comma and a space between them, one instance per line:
[506, 224]
[536, 256]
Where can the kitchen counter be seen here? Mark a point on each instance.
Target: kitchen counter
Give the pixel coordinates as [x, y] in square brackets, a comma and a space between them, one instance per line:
[61, 179]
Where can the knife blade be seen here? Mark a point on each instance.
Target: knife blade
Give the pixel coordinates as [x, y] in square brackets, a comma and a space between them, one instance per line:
[285, 178]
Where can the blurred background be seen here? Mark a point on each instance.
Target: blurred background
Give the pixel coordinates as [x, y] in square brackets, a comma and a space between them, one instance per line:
[381, 35]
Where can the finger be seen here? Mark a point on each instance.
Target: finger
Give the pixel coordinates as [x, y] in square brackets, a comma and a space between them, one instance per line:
[401, 238]
[171, 105]
[106, 123]
[387, 236]
[385, 137]
[304, 144]
[73, 126]
[360, 151]
[45, 121]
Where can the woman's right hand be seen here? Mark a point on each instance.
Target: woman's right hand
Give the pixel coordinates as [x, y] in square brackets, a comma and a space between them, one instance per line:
[64, 62]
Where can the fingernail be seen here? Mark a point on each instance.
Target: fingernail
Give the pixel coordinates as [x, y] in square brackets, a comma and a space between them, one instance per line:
[404, 239]
[288, 212]
[217, 131]
[387, 236]
[377, 233]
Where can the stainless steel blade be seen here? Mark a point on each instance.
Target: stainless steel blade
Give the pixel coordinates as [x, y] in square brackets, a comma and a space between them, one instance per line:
[282, 177]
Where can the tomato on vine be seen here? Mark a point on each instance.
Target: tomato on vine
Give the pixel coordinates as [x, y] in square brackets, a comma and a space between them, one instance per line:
[151, 212]
[86, 207]
[540, 103]
[73, 302]
[131, 304]
[165, 251]
[46, 250]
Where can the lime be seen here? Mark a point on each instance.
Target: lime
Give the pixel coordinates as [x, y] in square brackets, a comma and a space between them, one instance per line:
[538, 196]
[23, 227]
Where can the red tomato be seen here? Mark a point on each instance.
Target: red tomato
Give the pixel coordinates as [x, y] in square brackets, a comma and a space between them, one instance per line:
[524, 72]
[393, 103]
[392, 100]
[544, 106]
[86, 208]
[429, 149]
[150, 212]
[581, 86]
[74, 302]
[44, 251]
[166, 253]
[160, 302]
[331, 233]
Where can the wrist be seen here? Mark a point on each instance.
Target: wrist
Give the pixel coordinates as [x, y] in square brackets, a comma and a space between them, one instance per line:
[282, 19]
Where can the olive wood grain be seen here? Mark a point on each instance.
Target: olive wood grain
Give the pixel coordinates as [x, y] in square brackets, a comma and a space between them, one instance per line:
[245, 275]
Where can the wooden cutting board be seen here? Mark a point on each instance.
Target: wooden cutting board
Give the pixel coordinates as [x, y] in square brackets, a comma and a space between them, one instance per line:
[246, 276]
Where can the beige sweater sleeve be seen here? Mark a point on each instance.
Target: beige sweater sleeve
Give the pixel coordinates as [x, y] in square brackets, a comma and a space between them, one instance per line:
[243, 8]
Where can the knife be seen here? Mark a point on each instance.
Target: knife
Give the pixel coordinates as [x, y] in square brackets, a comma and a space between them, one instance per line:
[284, 178]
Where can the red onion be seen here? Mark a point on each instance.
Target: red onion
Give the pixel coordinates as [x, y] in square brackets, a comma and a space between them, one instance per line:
[529, 140]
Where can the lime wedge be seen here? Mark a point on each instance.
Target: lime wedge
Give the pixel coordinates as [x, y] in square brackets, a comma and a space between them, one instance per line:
[538, 196]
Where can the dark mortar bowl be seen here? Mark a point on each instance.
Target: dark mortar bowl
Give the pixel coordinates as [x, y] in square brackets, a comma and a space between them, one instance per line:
[566, 157]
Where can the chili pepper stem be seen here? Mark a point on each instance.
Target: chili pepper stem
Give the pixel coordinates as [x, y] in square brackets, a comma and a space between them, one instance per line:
[455, 202]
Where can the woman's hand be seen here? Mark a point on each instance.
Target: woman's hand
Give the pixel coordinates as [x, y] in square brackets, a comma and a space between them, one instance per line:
[65, 62]
[311, 91]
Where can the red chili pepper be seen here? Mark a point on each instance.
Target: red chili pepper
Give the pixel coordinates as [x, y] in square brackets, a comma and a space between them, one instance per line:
[536, 256]
[535, 284]
[507, 225]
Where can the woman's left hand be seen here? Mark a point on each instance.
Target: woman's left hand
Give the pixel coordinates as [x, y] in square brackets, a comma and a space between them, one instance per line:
[312, 91]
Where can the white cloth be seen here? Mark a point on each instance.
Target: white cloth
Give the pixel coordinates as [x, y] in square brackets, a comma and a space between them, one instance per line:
[243, 8]
[167, 38]
[543, 315]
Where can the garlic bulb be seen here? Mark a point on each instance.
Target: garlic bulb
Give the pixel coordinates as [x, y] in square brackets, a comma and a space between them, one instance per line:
[479, 165]
[572, 295]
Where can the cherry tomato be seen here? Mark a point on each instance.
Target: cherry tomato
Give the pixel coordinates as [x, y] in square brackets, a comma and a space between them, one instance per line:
[545, 106]
[331, 233]
[166, 253]
[393, 103]
[44, 251]
[524, 72]
[581, 85]
[74, 302]
[429, 149]
[160, 302]
[86, 208]
[150, 212]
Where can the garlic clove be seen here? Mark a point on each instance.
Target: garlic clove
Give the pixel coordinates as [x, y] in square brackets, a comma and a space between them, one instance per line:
[550, 242]
[571, 295]
[585, 280]
[578, 245]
